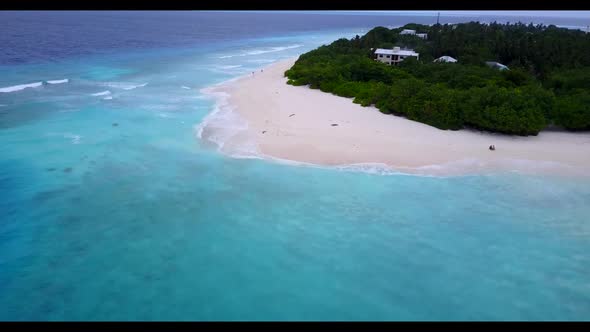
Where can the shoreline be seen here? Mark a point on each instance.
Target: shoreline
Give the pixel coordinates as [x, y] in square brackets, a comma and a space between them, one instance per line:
[260, 116]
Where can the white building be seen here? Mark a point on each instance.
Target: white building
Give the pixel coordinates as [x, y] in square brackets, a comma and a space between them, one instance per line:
[394, 56]
[407, 32]
[445, 58]
[413, 32]
[497, 65]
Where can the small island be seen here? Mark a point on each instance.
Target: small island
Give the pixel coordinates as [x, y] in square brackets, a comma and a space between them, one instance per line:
[508, 78]
[469, 98]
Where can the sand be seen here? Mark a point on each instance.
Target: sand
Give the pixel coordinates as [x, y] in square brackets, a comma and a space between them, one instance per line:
[262, 115]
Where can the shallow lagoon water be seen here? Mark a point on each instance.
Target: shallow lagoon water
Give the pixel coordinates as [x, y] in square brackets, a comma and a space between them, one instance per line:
[113, 209]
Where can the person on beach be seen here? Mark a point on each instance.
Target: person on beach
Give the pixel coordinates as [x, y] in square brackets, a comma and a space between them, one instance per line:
[492, 147]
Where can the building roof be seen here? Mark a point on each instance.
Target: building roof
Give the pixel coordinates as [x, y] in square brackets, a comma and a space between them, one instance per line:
[396, 52]
[445, 58]
[408, 31]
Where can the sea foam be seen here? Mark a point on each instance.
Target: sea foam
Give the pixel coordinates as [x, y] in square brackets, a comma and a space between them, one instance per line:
[223, 124]
[103, 93]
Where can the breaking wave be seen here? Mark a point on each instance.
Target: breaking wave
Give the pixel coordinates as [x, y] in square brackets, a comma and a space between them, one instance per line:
[65, 80]
[262, 51]
[123, 85]
[102, 93]
[20, 87]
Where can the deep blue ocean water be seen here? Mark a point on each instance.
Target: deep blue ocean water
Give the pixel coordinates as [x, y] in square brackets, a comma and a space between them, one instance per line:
[112, 209]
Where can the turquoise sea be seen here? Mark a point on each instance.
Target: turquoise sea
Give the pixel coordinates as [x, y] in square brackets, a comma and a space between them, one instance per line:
[113, 209]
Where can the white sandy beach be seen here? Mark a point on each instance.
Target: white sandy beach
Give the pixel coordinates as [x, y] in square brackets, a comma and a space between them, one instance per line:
[264, 115]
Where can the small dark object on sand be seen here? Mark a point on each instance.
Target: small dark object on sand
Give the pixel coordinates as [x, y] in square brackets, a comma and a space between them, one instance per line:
[67, 170]
[291, 115]
[492, 147]
[334, 124]
[115, 124]
[50, 169]
[264, 131]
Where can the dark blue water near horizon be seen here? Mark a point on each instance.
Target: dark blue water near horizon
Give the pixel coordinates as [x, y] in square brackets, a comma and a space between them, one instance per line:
[38, 36]
[113, 208]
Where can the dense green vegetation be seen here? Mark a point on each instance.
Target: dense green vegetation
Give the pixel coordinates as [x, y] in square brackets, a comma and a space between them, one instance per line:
[548, 82]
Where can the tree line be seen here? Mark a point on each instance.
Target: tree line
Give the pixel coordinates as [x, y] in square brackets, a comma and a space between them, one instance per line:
[548, 83]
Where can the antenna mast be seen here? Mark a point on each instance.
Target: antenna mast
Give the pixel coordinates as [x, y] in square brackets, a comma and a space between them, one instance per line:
[438, 18]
